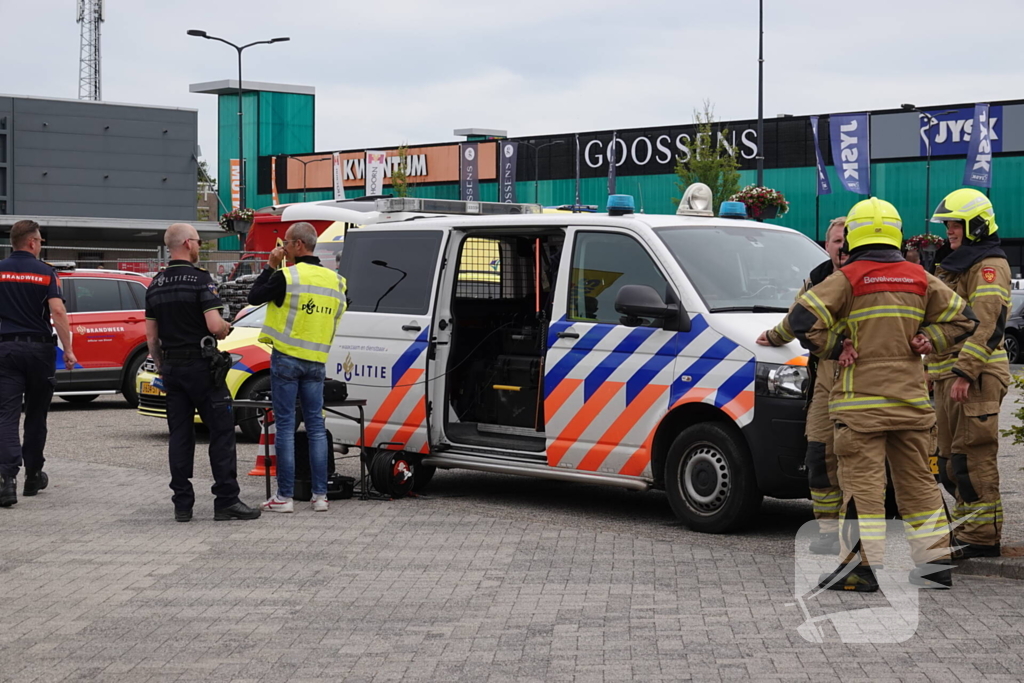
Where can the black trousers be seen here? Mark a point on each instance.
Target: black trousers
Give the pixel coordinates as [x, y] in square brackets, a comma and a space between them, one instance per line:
[189, 389]
[26, 375]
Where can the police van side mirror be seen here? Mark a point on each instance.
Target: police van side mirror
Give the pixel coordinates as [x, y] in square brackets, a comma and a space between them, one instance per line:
[641, 301]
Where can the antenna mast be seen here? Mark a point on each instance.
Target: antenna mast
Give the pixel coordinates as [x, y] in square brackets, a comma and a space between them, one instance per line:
[90, 16]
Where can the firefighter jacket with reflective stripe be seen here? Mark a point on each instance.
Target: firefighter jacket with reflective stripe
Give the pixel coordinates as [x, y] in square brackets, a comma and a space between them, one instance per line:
[880, 305]
[986, 288]
[303, 326]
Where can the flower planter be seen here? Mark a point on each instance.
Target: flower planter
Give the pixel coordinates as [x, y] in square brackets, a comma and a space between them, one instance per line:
[240, 226]
[767, 212]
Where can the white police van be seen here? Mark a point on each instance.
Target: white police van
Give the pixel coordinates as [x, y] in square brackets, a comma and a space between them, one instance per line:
[612, 349]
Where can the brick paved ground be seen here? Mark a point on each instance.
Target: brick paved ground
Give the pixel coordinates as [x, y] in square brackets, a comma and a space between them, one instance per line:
[98, 583]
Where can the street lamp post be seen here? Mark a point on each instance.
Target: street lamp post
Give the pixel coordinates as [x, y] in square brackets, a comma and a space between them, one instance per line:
[238, 48]
[307, 161]
[760, 93]
[930, 118]
[536, 164]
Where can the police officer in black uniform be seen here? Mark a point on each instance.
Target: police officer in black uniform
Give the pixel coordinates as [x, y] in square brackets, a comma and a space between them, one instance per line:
[30, 292]
[182, 307]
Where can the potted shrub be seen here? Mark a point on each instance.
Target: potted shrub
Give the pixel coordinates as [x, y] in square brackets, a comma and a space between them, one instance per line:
[762, 202]
[237, 220]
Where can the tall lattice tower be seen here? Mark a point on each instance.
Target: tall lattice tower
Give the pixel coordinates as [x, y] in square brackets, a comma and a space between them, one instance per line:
[90, 16]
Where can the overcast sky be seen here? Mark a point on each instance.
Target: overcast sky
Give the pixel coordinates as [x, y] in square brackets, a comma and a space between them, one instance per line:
[393, 71]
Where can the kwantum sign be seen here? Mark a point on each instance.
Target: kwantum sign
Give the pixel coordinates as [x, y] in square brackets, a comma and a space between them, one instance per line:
[435, 164]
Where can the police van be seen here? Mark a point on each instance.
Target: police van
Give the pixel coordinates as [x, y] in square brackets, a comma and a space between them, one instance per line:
[614, 349]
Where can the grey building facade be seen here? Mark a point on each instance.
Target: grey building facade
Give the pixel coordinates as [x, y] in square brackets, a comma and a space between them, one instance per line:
[97, 172]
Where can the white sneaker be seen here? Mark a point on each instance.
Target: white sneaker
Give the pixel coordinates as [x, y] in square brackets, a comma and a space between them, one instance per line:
[319, 503]
[276, 504]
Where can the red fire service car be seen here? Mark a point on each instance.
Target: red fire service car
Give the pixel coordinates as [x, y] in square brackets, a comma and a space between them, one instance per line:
[106, 310]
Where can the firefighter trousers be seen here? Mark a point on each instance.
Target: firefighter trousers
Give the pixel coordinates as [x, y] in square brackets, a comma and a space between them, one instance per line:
[862, 458]
[968, 452]
[822, 465]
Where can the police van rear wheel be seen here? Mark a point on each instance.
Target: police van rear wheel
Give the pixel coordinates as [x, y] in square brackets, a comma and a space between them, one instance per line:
[709, 479]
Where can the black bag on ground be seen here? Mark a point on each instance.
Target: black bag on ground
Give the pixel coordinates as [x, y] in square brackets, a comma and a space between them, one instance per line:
[303, 479]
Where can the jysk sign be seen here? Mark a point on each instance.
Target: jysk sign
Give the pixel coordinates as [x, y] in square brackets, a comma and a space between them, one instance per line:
[952, 133]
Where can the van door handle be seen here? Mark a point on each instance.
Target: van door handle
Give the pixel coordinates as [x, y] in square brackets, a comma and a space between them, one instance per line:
[411, 328]
[567, 335]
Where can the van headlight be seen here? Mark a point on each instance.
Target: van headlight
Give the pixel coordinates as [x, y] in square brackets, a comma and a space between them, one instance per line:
[235, 358]
[781, 381]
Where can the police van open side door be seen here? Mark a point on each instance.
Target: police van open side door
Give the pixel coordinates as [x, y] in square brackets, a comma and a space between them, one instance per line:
[381, 345]
[608, 378]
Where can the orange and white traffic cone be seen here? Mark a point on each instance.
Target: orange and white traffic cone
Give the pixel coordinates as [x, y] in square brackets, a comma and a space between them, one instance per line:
[267, 438]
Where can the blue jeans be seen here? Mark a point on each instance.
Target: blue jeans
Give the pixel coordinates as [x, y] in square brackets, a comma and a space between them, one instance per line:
[290, 379]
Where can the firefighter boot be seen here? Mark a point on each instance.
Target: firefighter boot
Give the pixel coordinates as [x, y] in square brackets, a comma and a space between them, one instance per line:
[825, 544]
[8, 491]
[859, 578]
[965, 551]
[35, 482]
[936, 574]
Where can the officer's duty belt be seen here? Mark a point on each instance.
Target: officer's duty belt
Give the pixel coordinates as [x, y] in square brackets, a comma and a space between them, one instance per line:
[182, 354]
[38, 338]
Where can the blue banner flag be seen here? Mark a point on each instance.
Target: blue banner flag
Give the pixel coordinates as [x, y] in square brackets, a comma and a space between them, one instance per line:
[824, 186]
[851, 154]
[469, 177]
[978, 171]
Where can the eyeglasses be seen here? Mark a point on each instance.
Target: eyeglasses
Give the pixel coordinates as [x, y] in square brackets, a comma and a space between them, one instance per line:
[193, 239]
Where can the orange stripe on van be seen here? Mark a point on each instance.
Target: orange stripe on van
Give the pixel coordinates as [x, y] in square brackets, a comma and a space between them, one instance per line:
[415, 420]
[559, 396]
[581, 420]
[739, 406]
[620, 428]
[695, 395]
[390, 404]
[799, 360]
[638, 462]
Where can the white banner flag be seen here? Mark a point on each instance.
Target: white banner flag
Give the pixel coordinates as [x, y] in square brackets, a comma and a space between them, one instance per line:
[374, 173]
[339, 186]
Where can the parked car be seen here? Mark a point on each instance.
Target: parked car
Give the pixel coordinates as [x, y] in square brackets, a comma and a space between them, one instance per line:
[1015, 326]
[106, 311]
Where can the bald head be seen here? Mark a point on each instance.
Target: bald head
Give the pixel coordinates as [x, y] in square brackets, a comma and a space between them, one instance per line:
[303, 232]
[183, 242]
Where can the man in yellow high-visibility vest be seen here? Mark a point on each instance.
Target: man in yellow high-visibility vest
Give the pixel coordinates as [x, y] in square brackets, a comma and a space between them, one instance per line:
[304, 304]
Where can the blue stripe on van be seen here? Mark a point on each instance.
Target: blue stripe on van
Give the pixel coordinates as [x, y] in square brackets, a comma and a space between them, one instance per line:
[739, 381]
[583, 346]
[623, 352]
[408, 357]
[700, 368]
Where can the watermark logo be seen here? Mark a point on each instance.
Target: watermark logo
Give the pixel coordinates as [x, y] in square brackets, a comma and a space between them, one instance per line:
[890, 615]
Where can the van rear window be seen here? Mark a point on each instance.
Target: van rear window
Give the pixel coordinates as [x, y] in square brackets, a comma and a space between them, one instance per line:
[392, 271]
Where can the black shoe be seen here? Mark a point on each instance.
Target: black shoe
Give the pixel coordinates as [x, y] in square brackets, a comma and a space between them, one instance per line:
[860, 579]
[928, 576]
[183, 515]
[826, 544]
[35, 482]
[8, 491]
[965, 551]
[237, 511]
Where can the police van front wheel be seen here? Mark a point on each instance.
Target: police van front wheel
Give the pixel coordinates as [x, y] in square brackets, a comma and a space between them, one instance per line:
[709, 479]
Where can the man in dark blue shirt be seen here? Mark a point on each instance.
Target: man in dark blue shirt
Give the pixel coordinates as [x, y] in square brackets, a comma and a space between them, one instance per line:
[30, 292]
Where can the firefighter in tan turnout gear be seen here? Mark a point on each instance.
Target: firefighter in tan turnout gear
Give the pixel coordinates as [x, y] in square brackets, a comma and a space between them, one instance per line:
[822, 466]
[970, 379]
[881, 313]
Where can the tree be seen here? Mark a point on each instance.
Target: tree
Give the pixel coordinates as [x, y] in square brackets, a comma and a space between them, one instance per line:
[399, 179]
[710, 161]
[204, 173]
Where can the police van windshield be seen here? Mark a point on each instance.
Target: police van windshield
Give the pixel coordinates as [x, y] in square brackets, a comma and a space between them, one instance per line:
[743, 268]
